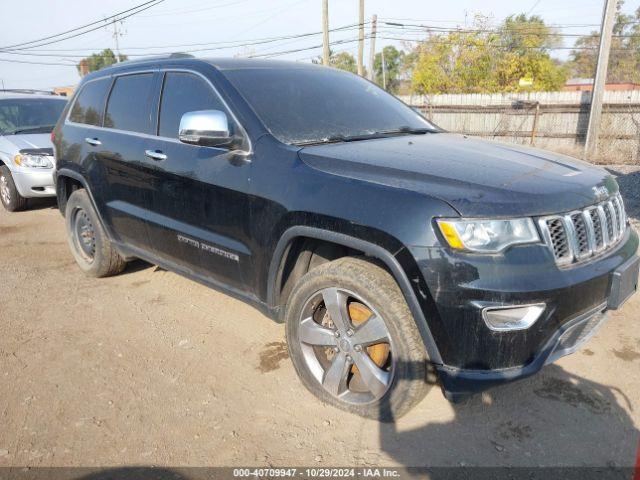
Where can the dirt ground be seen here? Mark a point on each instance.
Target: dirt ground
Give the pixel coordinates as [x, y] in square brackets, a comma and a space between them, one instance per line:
[149, 368]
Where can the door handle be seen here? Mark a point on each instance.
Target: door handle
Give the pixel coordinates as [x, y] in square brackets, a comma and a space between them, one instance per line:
[93, 141]
[155, 154]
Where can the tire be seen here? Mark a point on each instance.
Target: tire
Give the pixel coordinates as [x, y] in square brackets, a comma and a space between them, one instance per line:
[404, 369]
[90, 247]
[11, 199]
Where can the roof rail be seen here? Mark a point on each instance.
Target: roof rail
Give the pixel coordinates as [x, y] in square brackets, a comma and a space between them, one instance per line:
[154, 57]
[27, 90]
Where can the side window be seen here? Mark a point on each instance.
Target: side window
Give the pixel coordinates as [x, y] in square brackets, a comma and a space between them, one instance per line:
[181, 93]
[128, 107]
[89, 105]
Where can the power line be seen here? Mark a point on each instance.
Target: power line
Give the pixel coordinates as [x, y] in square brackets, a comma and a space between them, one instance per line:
[217, 45]
[534, 7]
[277, 54]
[12, 60]
[554, 25]
[523, 31]
[21, 46]
[183, 10]
[491, 45]
[147, 5]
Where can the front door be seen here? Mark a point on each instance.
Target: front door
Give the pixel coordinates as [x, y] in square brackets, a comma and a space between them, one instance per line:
[199, 202]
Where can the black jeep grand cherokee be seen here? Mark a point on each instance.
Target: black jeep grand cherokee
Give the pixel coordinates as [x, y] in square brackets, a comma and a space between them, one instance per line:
[383, 243]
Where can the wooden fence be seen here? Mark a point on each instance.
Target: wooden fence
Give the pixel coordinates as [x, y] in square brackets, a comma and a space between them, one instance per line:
[551, 120]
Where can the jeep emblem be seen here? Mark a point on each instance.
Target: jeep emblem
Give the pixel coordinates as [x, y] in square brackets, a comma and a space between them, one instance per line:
[601, 193]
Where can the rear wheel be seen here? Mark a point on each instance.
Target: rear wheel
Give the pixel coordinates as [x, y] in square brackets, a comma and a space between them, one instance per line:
[89, 245]
[353, 340]
[12, 201]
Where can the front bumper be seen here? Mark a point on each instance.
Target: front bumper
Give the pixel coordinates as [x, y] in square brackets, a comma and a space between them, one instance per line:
[458, 383]
[35, 183]
[475, 357]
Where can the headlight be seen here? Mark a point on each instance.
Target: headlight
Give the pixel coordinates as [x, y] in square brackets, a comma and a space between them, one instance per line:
[488, 236]
[33, 161]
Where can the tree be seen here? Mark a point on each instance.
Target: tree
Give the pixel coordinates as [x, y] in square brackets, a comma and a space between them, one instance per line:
[482, 59]
[459, 61]
[343, 61]
[100, 60]
[526, 42]
[624, 60]
[394, 67]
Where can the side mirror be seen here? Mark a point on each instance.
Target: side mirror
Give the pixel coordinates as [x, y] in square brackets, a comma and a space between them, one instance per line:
[205, 127]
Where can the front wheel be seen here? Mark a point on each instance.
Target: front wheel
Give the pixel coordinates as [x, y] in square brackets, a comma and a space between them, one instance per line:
[11, 199]
[353, 340]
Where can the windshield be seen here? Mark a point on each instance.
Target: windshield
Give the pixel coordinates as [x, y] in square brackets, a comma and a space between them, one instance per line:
[317, 104]
[29, 115]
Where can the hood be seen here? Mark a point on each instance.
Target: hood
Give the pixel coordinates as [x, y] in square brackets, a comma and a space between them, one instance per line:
[28, 141]
[477, 177]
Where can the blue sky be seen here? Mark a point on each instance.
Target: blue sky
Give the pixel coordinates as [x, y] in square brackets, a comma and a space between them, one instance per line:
[174, 23]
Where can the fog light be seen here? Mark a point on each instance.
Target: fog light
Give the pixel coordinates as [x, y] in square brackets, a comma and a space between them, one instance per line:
[519, 317]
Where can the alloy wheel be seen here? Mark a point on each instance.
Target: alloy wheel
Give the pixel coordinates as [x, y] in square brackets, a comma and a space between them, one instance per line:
[346, 346]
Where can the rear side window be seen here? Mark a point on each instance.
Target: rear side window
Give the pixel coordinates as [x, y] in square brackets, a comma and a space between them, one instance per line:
[182, 93]
[89, 104]
[128, 107]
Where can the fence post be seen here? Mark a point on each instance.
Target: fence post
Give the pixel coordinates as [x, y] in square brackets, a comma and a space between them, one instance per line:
[534, 128]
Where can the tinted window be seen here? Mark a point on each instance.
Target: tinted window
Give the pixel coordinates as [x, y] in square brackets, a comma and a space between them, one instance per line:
[29, 115]
[184, 92]
[89, 105]
[315, 103]
[128, 107]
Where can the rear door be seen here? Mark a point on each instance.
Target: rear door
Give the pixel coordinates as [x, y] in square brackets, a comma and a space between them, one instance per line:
[200, 202]
[123, 165]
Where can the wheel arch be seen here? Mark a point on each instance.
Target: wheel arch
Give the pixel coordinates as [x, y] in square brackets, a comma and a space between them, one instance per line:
[377, 252]
[68, 181]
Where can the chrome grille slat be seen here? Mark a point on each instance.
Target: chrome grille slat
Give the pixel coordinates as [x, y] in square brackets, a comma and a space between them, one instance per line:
[591, 231]
[614, 221]
[604, 227]
[617, 206]
[579, 235]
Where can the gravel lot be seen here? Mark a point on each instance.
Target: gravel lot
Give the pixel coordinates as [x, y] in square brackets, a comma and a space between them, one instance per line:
[148, 368]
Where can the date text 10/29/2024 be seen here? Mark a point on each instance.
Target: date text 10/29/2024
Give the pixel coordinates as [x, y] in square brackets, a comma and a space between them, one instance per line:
[316, 472]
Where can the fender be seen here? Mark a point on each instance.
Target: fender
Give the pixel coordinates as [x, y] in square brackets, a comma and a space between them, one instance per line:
[66, 172]
[369, 249]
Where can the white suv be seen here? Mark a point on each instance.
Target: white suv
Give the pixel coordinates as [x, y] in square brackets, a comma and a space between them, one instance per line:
[26, 154]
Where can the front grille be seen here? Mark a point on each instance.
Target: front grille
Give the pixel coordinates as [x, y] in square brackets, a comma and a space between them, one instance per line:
[580, 235]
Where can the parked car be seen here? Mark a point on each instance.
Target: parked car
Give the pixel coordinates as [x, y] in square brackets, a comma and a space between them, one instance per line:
[26, 153]
[384, 244]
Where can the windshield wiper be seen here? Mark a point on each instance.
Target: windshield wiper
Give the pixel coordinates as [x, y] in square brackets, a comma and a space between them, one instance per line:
[410, 130]
[46, 128]
[403, 130]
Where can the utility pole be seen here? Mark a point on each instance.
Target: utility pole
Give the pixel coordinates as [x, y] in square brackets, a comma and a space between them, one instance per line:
[384, 70]
[325, 32]
[597, 95]
[361, 40]
[372, 48]
[116, 36]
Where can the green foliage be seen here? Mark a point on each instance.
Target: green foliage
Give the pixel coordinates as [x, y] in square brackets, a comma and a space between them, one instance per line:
[101, 60]
[624, 60]
[343, 61]
[394, 67]
[482, 60]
